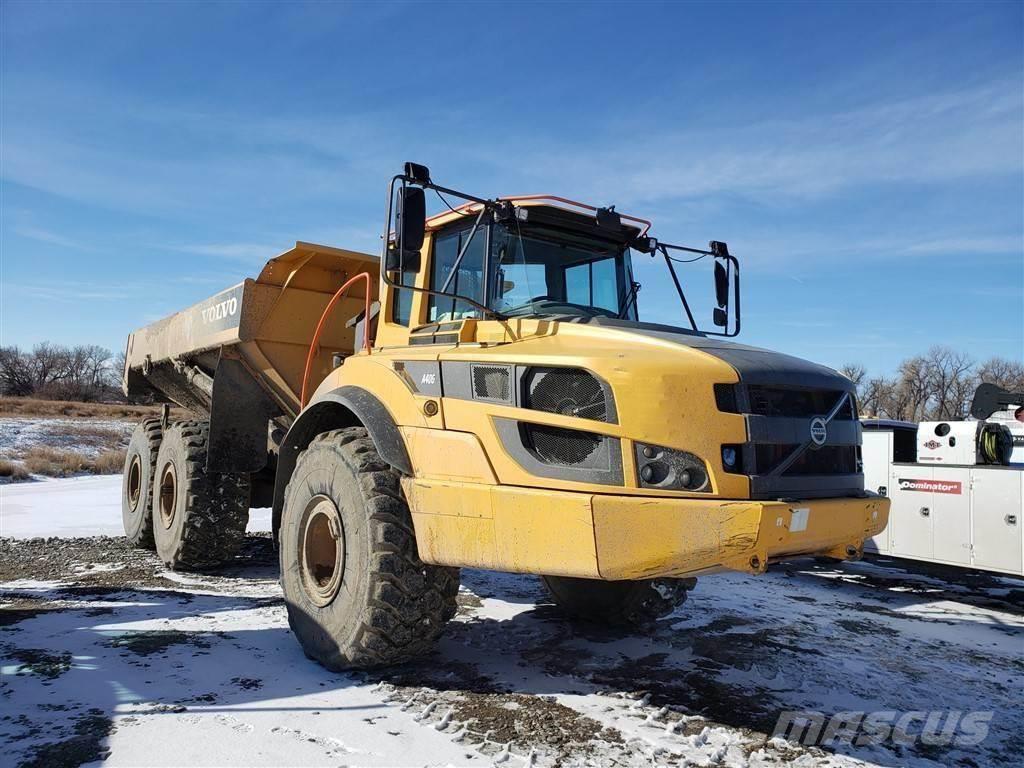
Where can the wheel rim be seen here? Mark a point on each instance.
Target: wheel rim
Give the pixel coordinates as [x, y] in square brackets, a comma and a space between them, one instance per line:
[322, 550]
[134, 483]
[168, 494]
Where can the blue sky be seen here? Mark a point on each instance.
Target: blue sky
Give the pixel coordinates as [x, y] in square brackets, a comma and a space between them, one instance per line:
[865, 161]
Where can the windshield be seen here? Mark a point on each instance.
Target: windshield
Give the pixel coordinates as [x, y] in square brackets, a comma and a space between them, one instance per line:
[531, 272]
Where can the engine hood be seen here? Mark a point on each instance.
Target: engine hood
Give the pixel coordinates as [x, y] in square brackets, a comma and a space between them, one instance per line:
[753, 365]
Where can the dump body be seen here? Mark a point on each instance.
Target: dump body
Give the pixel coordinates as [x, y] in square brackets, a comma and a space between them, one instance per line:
[241, 353]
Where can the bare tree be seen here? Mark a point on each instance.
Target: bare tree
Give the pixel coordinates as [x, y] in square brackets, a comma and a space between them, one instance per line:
[16, 375]
[876, 397]
[912, 392]
[1008, 374]
[856, 373]
[949, 383]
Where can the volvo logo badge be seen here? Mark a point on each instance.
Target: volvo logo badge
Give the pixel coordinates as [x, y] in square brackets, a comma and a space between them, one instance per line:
[819, 431]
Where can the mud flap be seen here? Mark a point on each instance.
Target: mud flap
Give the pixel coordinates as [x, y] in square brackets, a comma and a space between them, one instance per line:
[239, 415]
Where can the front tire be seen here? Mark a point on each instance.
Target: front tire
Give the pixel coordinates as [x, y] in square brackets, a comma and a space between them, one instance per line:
[618, 603]
[357, 593]
[137, 483]
[199, 517]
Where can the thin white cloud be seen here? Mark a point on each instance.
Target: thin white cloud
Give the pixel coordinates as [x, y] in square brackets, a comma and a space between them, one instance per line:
[979, 244]
[54, 238]
[76, 293]
[247, 252]
[258, 160]
[934, 138]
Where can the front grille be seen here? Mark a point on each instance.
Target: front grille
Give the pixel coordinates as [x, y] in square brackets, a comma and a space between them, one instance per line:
[555, 445]
[790, 402]
[828, 460]
[569, 392]
[779, 423]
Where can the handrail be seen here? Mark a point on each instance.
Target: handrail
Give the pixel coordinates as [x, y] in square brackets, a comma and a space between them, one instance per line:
[553, 198]
[314, 345]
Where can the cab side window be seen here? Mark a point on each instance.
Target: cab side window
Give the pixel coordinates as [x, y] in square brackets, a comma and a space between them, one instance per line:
[401, 309]
[468, 281]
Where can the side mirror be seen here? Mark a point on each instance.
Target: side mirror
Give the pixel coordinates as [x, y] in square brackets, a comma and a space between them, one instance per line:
[411, 218]
[720, 317]
[410, 225]
[721, 289]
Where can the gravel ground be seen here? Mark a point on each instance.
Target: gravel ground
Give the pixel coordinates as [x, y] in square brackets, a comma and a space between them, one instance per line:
[208, 661]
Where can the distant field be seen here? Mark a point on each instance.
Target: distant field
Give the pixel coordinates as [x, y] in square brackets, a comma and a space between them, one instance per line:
[58, 438]
[28, 406]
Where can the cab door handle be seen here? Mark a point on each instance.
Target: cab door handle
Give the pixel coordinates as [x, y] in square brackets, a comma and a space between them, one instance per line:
[925, 511]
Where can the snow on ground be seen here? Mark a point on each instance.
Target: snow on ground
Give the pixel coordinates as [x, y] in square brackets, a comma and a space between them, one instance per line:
[77, 506]
[89, 437]
[105, 654]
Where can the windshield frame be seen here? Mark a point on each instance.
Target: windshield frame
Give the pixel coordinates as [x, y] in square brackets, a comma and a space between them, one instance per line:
[502, 238]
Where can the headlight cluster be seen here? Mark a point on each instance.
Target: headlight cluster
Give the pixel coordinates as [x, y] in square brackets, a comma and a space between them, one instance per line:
[669, 469]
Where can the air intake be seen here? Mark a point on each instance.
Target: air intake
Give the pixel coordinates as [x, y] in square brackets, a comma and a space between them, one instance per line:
[569, 392]
[566, 447]
[492, 382]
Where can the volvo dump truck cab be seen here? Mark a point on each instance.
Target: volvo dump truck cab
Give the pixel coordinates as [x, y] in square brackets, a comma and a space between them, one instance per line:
[485, 395]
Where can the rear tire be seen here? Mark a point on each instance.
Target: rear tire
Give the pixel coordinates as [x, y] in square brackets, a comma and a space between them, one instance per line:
[357, 593]
[199, 517]
[618, 603]
[137, 483]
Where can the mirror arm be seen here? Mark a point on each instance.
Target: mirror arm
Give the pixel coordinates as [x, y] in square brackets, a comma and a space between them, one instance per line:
[383, 261]
[664, 246]
[675, 279]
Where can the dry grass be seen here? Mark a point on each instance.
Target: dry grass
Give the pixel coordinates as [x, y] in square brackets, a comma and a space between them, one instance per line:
[29, 406]
[13, 470]
[101, 437]
[108, 463]
[54, 462]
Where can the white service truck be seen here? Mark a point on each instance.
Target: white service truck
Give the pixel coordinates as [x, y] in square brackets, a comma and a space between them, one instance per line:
[957, 488]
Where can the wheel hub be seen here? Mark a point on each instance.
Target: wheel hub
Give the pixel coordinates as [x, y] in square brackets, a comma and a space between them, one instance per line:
[168, 500]
[322, 550]
[134, 483]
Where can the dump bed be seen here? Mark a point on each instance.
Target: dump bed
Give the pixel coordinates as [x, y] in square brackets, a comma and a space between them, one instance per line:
[255, 334]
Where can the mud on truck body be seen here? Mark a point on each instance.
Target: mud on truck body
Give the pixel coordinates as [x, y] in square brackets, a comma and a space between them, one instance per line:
[485, 396]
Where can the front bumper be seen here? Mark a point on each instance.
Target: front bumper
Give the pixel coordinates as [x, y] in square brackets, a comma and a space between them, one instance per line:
[564, 533]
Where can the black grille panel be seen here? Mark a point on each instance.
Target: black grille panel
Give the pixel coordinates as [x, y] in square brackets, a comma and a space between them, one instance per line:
[492, 382]
[569, 392]
[555, 445]
[829, 460]
[796, 403]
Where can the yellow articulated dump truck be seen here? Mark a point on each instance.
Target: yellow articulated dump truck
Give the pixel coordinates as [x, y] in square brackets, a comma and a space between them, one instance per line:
[485, 395]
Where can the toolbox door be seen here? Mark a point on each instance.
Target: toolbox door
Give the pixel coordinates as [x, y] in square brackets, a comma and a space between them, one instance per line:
[996, 516]
[951, 514]
[910, 517]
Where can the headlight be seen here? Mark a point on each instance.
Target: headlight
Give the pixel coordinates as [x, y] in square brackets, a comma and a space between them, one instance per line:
[669, 469]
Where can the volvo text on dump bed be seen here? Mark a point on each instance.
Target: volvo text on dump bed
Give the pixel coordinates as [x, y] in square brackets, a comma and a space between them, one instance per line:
[485, 396]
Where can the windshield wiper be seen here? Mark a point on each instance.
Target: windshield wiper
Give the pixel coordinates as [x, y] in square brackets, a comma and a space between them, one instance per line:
[630, 299]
